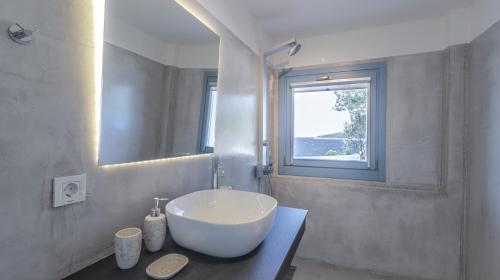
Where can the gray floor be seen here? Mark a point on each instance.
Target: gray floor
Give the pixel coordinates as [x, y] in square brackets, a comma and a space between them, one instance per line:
[313, 270]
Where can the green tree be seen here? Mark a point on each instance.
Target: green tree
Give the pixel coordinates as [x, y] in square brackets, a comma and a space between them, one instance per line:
[331, 153]
[354, 102]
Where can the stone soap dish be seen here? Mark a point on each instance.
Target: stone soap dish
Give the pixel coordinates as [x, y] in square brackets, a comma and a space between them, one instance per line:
[167, 266]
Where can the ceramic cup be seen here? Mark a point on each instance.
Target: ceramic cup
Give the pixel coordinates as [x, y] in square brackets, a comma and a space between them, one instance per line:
[128, 243]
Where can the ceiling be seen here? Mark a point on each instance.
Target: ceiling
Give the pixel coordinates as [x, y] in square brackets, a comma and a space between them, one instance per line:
[165, 20]
[287, 18]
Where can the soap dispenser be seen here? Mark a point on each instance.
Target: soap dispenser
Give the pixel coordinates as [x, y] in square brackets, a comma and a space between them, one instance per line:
[155, 227]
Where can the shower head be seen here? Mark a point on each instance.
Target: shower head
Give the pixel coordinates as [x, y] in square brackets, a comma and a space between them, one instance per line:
[294, 49]
[292, 44]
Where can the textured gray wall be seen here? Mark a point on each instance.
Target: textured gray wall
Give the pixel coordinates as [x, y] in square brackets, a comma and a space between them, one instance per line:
[170, 77]
[186, 114]
[131, 118]
[48, 129]
[484, 138]
[410, 225]
[237, 113]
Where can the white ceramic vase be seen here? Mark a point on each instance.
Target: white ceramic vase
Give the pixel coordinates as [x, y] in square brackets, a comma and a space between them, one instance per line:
[128, 243]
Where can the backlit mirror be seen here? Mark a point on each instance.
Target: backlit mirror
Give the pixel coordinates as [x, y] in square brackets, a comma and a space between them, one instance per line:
[159, 82]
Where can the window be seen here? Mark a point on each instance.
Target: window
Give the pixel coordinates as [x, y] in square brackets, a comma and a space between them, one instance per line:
[332, 122]
[207, 116]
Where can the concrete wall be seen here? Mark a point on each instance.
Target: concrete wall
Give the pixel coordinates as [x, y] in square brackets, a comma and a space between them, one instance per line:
[483, 15]
[131, 115]
[48, 128]
[241, 23]
[411, 224]
[187, 110]
[237, 112]
[235, 127]
[484, 138]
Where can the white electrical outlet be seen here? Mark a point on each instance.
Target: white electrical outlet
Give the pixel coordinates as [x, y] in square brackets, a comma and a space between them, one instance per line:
[69, 190]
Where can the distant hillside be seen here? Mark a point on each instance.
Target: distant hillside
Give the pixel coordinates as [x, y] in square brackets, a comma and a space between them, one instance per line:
[333, 135]
[316, 146]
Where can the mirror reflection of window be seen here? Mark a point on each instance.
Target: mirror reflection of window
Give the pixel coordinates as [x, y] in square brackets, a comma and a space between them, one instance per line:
[209, 108]
[211, 117]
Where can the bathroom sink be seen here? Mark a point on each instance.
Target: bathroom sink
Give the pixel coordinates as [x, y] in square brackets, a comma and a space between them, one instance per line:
[221, 223]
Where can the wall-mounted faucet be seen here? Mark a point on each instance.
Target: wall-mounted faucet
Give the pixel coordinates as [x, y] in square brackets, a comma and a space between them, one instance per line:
[215, 172]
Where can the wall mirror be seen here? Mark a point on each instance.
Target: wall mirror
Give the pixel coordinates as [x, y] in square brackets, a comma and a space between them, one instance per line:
[159, 82]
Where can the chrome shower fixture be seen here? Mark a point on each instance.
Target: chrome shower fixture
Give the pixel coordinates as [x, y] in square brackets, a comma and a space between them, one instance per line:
[292, 44]
[294, 49]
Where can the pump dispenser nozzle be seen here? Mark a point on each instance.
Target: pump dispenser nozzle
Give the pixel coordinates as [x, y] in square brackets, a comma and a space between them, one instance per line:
[155, 211]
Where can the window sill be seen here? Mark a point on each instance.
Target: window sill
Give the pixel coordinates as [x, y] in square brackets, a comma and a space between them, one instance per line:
[434, 189]
[371, 175]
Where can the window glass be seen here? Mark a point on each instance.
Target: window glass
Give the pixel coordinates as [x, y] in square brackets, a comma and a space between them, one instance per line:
[331, 124]
[208, 116]
[211, 116]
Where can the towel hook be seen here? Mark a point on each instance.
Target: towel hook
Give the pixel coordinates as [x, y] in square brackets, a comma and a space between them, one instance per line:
[19, 34]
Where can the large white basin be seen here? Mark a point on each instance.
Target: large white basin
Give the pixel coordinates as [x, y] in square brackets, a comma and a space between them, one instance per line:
[221, 223]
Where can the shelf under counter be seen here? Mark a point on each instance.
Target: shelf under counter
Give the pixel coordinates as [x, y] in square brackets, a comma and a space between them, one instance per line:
[270, 260]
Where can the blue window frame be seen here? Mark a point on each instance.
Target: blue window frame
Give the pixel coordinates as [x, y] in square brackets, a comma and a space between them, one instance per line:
[349, 103]
[208, 113]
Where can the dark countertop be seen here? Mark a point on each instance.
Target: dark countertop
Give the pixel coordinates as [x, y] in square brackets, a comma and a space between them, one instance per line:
[270, 260]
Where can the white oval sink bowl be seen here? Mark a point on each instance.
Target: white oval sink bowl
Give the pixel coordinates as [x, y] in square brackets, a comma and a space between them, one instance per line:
[221, 223]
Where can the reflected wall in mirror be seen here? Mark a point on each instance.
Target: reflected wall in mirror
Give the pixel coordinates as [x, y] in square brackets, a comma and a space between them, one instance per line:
[159, 83]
